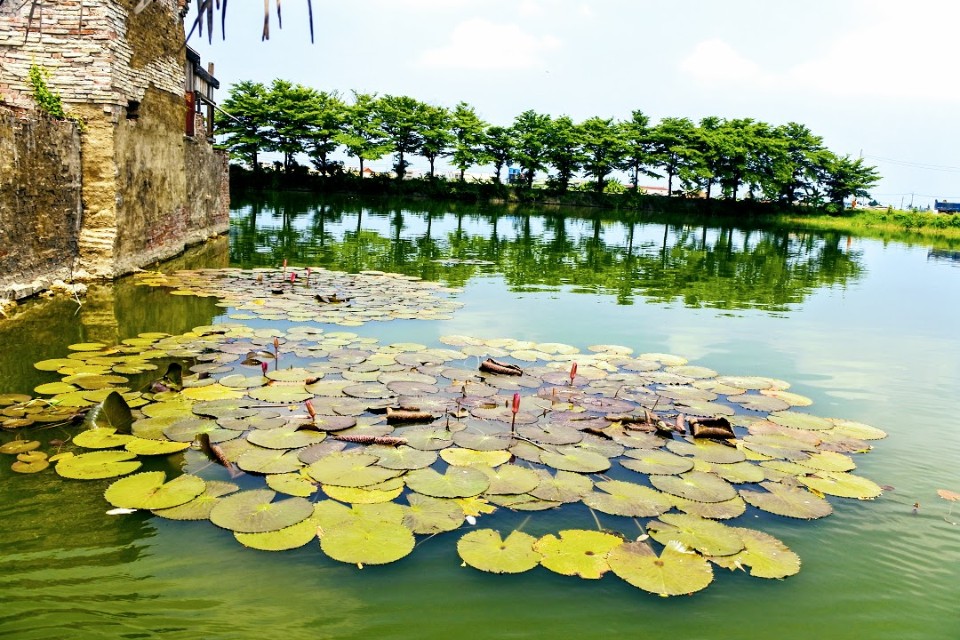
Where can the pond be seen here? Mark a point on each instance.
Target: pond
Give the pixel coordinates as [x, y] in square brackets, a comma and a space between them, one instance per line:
[865, 329]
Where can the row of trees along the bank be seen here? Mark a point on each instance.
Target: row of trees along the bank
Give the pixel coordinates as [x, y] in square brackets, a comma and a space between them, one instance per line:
[785, 163]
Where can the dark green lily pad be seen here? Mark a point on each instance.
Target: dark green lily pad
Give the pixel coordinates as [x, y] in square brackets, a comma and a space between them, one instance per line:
[199, 508]
[255, 511]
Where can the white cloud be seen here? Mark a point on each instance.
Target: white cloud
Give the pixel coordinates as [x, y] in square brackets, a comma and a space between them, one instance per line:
[891, 53]
[714, 63]
[479, 44]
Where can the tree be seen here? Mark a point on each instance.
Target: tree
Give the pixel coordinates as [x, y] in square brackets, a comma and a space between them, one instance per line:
[290, 108]
[530, 134]
[328, 113]
[562, 149]
[468, 138]
[708, 140]
[844, 178]
[435, 133]
[672, 143]
[400, 121]
[499, 146]
[241, 120]
[603, 148]
[638, 148]
[735, 140]
[361, 134]
[797, 171]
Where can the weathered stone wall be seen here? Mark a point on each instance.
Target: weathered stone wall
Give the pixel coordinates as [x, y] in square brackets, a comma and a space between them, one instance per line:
[147, 191]
[39, 202]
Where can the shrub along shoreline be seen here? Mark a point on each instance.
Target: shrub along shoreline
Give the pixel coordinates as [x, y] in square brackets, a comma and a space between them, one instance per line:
[911, 227]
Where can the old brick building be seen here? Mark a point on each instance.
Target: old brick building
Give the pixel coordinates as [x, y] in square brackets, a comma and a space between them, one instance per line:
[146, 188]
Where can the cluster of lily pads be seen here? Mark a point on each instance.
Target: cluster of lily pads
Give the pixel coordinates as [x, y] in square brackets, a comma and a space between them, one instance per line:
[367, 446]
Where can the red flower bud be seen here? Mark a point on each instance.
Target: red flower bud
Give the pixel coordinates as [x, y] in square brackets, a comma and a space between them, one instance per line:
[293, 276]
[310, 409]
[573, 371]
[516, 403]
[263, 367]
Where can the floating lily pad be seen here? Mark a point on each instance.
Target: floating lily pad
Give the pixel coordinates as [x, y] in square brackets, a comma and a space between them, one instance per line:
[620, 498]
[573, 459]
[521, 502]
[792, 502]
[285, 438]
[655, 462]
[709, 537]
[147, 447]
[255, 511]
[456, 482]
[798, 420]
[469, 457]
[292, 484]
[292, 537]
[19, 446]
[385, 491]
[350, 470]
[843, 485]
[510, 479]
[366, 541]
[675, 572]
[726, 510]
[150, 490]
[696, 485]
[564, 486]
[485, 550]
[98, 465]
[199, 508]
[428, 515]
[101, 438]
[577, 552]
[259, 460]
[766, 556]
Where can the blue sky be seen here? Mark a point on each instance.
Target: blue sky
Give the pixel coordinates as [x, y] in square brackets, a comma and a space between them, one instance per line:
[877, 77]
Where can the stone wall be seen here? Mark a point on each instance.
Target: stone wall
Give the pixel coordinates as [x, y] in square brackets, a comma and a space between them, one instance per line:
[147, 190]
[40, 206]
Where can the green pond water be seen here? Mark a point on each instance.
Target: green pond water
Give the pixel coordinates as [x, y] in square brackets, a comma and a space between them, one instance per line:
[868, 330]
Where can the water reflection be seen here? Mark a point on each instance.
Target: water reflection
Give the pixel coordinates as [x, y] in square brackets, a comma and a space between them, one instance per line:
[665, 261]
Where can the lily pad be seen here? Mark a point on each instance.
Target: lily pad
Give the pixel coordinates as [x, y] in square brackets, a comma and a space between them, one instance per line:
[19, 446]
[709, 537]
[620, 498]
[766, 556]
[577, 552]
[792, 502]
[675, 572]
[350, 470]
[150, 490]
[292, 537]
[456, 482]
[564, 486]
[655, 462]
[574, 459]
[97, 465]
[254, 511]
[366, 541]
[485, 550]
[510, 479]
[402, 457]
[469, 457]
[843, 485]
[428, 515]
[696, 485]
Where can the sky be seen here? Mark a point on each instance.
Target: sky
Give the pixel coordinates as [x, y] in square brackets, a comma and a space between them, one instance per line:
[874, 78]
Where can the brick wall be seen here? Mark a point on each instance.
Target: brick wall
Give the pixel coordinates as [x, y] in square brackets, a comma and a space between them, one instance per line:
[97, 51]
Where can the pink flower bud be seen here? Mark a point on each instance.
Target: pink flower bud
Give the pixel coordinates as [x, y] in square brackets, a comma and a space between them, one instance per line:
[573, 371]
[310, 409]
[263, 367]
[516, 403]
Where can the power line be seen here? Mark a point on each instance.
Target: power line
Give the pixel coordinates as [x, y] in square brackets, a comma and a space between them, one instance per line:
[917, 165]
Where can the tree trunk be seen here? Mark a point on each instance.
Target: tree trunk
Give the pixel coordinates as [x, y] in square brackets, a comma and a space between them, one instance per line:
[432, 160]
[463, 170]
[361, 166]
